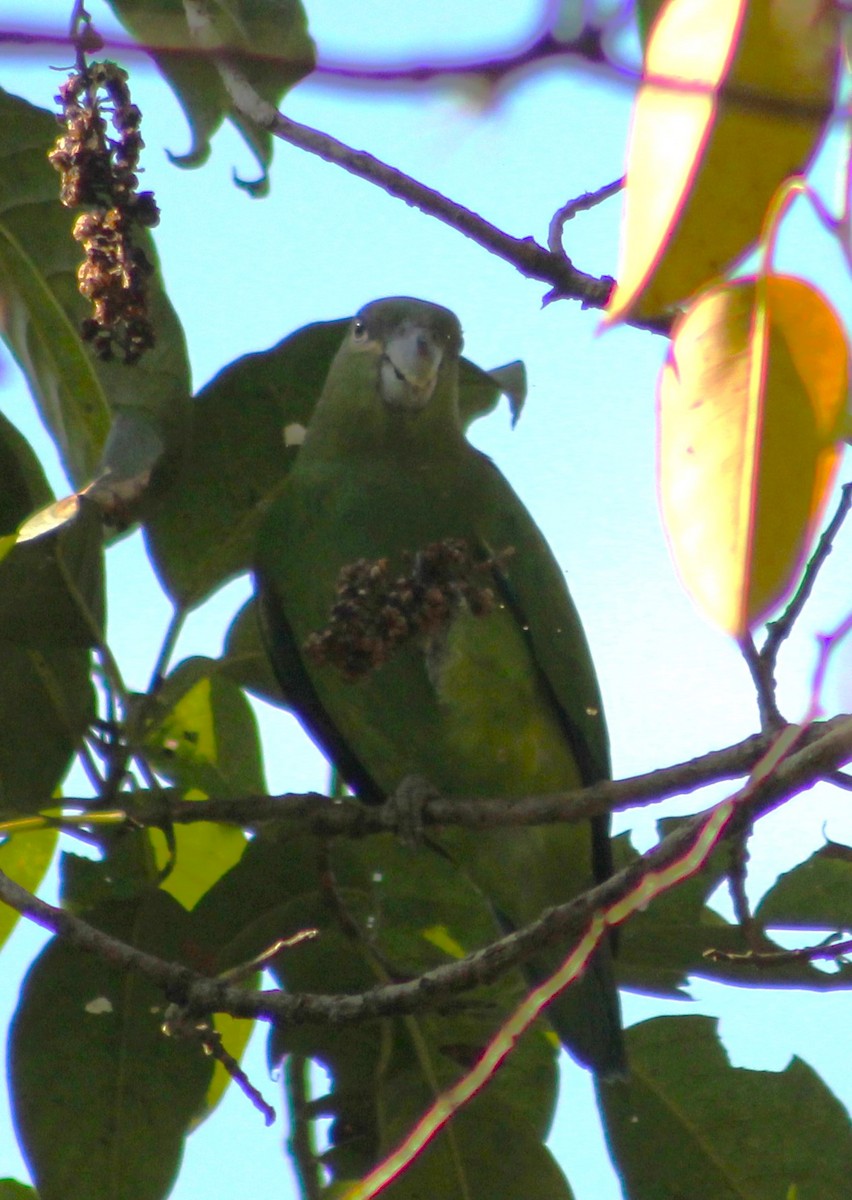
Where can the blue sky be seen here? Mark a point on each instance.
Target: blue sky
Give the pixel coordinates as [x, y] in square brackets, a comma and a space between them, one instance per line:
[243, 273]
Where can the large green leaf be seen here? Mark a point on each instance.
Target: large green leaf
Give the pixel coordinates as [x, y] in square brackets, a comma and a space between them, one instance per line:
[688, 1124]
[382, 911]
[267, 40]
[11, 1189]
[51, 611]
[42, 309]
[101, 1098]
[204, 529]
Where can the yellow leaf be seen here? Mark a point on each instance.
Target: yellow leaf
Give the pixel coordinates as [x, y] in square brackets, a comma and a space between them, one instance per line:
[25, 858]
[735, 97]
[751, 413]
[203, 853]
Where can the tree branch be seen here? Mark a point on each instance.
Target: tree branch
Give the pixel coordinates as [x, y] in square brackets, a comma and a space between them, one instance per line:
[317, 814]
[778, 777]
[525, 254]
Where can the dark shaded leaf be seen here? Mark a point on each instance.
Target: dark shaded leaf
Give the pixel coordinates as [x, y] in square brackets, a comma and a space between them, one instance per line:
[675, 936]
[101, 1098]
[817, 894]
[11, 1189]
[245, 659]
[688, 1124]
[267, 40]
[480, 391]
[203, 532]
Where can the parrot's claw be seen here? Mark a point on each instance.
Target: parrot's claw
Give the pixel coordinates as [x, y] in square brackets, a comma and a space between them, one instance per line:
[408, 800]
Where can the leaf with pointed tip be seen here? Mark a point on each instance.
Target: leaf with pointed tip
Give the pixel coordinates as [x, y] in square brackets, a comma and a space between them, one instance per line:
[816, 895]
[267, 40]
[480, 391]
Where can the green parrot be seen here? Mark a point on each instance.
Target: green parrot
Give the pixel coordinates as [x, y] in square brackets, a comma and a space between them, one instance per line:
[449, 649]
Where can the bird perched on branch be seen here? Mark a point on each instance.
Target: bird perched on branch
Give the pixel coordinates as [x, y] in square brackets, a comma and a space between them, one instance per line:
[421, 627]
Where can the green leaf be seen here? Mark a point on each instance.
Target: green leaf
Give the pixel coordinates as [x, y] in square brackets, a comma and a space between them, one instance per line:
[267, 40]
[24, 858]
[47, 703]
[204, 532]
[42, 309]
[817, 894]
[391, 911]
[101, 1097]
[206, 737]
[660, 947]
[673, 939]
[10, 1189]
[52, 587]
[245, 660]
[469, 1156]
[51, 611]
[24, 483]
[687, 1123]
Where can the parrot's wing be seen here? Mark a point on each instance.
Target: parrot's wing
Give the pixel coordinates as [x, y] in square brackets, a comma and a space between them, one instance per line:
[533, 586]
[285, 656]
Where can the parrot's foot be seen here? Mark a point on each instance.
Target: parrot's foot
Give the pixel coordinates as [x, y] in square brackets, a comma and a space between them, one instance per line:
[408, 800]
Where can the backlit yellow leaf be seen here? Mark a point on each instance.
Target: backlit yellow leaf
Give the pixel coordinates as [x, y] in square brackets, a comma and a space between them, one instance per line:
[751, 413]
[735, 97]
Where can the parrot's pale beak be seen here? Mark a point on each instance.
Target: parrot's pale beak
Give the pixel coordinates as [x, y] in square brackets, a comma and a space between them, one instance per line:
[409, 367]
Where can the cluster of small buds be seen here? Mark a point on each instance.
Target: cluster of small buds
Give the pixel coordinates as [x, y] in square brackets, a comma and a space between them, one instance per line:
[373, 616]
[99, 173]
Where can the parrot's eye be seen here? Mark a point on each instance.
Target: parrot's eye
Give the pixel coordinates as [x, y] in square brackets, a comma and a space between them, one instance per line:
[359, 330]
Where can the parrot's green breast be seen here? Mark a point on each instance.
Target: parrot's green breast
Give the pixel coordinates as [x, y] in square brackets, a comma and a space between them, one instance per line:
[501, 733]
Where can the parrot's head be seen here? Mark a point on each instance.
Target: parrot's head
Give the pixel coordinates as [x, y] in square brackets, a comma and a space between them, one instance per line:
[393, 382]
[403, 347]
[409, 340]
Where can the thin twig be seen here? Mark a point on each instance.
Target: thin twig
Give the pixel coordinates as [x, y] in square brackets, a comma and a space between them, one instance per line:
[832, 949]
[762, 673]
[167, 649]
[777, 631]
[525, 254]
[579, 204]
[319, 814]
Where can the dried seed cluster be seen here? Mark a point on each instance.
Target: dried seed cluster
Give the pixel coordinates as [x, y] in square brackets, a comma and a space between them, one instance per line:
[99, 173]
[373, 615]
